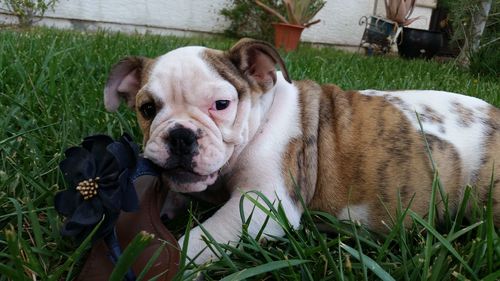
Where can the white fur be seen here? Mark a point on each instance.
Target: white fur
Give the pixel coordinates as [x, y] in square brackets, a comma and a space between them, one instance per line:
[356, 213]
[185, 103]
[469, 149]
[258, 167]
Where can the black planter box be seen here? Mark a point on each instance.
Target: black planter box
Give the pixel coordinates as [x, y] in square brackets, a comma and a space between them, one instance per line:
[418, 43]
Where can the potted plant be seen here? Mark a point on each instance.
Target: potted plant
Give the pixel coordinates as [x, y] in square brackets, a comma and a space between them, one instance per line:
[419, 43]
[413, 43]
[297, 15]
[400, 11]
[382, 32]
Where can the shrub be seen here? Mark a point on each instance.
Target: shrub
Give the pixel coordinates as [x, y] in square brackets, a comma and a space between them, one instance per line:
[248, 20]
[27, 11]
[486, 59]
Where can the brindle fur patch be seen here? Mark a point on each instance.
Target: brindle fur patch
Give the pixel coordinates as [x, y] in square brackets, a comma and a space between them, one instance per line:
[465, 115]
[141, 96]
[224, 67]
[370, 154]
[300, 159]
[489, 173]
[432, 116]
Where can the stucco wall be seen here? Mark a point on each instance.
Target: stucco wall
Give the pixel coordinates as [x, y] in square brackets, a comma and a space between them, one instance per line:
[339, 18]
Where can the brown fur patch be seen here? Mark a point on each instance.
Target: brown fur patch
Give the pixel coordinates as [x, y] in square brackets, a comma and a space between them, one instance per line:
[300, 159]
[432, 116]
[489, 173]
[370, 154]
[465, 115]
[225, 68]
[245, 51]
[141, 98]
[448, 164]
[144, 97]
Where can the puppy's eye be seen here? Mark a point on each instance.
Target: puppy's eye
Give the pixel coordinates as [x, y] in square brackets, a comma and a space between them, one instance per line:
[221, 104]
[148, 110]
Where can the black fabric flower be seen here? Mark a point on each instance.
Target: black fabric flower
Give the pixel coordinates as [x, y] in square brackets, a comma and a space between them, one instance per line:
[98, 176]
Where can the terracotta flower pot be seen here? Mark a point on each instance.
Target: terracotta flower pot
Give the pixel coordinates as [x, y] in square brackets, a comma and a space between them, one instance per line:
[287, 36]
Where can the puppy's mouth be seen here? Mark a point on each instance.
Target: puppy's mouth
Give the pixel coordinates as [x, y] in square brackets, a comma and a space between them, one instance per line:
[184, 176]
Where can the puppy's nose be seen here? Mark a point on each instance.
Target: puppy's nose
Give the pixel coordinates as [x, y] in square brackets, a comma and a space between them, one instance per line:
[182, 141]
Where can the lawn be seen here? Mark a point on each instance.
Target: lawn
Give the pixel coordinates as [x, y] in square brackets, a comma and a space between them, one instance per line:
[51, 86]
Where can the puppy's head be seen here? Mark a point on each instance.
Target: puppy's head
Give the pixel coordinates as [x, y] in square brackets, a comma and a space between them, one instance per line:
[194, 105]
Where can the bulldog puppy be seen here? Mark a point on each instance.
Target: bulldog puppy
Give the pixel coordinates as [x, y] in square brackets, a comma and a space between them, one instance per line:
[228, 118]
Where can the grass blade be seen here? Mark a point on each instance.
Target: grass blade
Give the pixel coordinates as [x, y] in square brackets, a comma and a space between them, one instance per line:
[76, 254]
[13, 246]
[9, 272]
[35, 224]
[490, 226]
[260, 269]
[370, 264]
[133, 250]
[495, 276]
[212, 243]
[432, 231]
[429, 241]
[151, 261]
[31, 262]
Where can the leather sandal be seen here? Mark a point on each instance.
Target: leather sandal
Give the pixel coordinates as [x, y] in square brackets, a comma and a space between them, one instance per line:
[151, 196]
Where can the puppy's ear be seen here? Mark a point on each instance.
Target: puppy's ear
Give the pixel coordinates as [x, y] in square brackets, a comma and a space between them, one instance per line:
[124, 82]
[257, 61]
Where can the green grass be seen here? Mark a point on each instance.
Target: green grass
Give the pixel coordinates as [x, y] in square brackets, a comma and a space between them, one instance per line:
[51, 86]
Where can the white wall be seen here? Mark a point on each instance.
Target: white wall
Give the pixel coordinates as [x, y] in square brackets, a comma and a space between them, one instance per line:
[340, 21]
[339, 18]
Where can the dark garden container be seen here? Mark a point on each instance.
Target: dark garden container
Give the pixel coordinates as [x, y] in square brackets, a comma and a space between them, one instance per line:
[419, 43]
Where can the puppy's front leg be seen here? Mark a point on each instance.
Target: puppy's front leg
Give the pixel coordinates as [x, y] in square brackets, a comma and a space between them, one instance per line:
[225, 226]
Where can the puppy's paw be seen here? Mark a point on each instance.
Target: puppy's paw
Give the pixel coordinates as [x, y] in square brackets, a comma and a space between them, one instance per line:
[197, 250]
